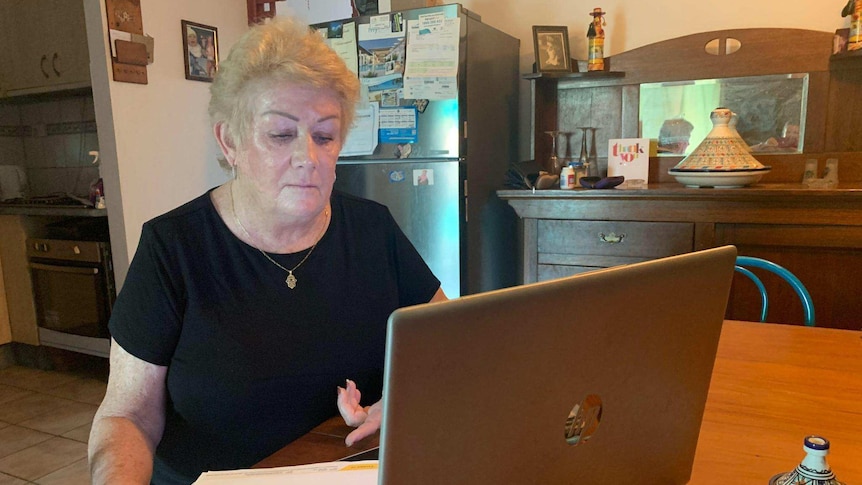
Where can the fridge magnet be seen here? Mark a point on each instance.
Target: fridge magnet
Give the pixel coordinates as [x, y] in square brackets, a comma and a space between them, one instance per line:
[200, 46]
[420, 104]
[335, 30]
[423, 176]
[551, 46]
[402, 150]
[396, 176]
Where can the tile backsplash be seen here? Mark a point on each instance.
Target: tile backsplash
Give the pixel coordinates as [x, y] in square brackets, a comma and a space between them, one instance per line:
[51, 139]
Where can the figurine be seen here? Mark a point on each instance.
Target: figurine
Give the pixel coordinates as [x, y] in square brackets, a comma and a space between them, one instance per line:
[596, 36]
[854, 10]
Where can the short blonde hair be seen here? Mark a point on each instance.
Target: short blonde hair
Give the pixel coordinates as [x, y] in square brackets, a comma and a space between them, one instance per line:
[281, 49]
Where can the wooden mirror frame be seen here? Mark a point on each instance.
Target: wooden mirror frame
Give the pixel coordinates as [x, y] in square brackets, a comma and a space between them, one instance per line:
[831, 127]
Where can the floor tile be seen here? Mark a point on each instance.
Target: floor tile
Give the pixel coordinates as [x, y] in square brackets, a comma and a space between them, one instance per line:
[89, 391]
[34, 379]
[77, 473]
[81, 433]
[10, 480]
[47, 457]
[16, 438]
[31, 406]
[11, 393]
[64, 418]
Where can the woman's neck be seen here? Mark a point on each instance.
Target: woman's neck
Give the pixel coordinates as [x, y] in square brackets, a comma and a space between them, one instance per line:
[266, 229]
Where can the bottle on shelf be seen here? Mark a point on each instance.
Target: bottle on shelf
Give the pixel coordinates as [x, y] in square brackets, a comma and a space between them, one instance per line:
[596, 41]
[567, 178]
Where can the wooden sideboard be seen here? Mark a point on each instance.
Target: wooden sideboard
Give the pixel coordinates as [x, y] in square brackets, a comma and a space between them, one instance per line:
[816, 234]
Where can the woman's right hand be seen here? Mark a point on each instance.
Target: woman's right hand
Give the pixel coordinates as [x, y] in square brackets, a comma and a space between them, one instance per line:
[366, 420]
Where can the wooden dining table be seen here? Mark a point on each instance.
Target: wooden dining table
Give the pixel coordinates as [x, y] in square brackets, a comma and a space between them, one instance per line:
[772, 385]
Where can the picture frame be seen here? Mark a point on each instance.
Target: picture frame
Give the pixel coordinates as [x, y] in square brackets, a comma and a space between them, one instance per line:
[200, 51]
[839, 41]
[551, 47]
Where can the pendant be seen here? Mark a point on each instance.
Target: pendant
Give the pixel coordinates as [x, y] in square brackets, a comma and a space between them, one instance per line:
[290, 280]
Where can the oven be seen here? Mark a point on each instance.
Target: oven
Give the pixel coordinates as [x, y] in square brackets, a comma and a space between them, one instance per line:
[73, 290]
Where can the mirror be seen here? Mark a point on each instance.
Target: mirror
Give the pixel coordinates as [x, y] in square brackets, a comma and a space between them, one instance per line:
[770, 112]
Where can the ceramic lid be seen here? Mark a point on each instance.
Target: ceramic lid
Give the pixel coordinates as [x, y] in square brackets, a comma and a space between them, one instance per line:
[722, 149]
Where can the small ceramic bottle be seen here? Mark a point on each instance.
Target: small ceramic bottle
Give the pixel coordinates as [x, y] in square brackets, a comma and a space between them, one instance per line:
[813, 470]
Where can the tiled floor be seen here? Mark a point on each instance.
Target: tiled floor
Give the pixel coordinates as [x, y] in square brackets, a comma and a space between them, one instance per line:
[45, 420]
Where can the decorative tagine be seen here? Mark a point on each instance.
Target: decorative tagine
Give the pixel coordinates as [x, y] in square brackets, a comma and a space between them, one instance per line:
[813, 470]
[722, 159]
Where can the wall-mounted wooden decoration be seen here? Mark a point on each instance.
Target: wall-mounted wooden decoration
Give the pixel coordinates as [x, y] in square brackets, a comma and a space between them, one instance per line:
[129, 57]
[258, 10]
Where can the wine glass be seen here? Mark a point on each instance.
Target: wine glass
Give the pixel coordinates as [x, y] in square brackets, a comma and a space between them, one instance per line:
[554, 161]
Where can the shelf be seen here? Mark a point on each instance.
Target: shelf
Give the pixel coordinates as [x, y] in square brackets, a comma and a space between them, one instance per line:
[575, 75]
[846, 56]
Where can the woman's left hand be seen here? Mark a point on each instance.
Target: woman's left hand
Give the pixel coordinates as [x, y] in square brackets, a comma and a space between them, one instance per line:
[366, 420]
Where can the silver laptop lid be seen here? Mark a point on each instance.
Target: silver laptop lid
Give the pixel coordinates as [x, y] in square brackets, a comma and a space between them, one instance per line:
[597, 378]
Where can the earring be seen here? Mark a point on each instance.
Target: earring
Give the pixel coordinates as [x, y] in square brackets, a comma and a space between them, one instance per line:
[233, 171]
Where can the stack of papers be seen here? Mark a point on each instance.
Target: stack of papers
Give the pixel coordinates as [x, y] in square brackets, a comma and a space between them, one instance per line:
[332, 473]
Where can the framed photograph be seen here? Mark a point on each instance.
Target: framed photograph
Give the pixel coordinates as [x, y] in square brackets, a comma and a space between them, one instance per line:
[200, 46]
[551, 46]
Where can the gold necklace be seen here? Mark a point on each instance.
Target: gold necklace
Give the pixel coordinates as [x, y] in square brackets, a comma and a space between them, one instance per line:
[290, 281]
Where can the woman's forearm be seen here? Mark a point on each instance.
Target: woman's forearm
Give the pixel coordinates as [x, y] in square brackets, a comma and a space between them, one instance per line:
[119, 452]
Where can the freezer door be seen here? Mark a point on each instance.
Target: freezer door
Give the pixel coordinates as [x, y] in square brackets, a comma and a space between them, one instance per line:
[424, 198]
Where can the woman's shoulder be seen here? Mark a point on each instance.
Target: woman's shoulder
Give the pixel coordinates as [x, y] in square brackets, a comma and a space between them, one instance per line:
[357, 212]
[357, 205]
[197, 210]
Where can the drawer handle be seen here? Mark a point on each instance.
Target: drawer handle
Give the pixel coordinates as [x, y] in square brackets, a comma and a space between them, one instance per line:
[611, 238]
[42, 66]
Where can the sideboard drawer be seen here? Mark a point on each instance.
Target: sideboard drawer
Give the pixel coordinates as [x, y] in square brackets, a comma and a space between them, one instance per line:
[615, 238]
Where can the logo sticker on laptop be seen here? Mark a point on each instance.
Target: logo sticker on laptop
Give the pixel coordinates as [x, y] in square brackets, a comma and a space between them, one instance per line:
[583, 420]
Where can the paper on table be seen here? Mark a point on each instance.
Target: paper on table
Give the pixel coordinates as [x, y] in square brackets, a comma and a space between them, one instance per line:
[331, 473]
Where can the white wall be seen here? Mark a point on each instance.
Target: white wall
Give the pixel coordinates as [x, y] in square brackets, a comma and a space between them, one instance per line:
[156, 141]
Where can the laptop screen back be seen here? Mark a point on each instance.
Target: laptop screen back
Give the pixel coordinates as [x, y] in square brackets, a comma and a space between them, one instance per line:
[601, 377]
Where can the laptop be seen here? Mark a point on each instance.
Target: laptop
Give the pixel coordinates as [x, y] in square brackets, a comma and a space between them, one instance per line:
[598, 378]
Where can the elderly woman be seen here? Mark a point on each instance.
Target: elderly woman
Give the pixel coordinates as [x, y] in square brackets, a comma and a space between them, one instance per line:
[245, 309]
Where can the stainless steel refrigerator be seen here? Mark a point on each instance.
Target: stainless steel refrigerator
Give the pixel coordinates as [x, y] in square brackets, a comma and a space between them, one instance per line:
[440, 180]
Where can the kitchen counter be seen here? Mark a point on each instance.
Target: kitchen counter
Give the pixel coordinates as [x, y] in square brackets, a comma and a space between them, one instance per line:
[47, 210]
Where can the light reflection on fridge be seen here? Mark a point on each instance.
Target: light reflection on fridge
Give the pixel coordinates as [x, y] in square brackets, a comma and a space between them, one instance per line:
[427, 210]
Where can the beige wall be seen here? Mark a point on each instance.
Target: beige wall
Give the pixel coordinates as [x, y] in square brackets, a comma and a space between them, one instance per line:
[632, 24]
[156, 142]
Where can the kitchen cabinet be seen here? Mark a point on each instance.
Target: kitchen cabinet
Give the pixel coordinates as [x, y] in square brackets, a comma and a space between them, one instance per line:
[21, 311]
[45, 46]
[5, 327]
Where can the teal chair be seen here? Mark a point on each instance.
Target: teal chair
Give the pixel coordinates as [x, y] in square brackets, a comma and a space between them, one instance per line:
[745, 262]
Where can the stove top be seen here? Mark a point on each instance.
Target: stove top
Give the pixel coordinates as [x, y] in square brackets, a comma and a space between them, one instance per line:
[48, 201]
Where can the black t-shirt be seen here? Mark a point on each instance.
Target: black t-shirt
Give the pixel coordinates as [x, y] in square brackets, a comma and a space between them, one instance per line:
[252, 364]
